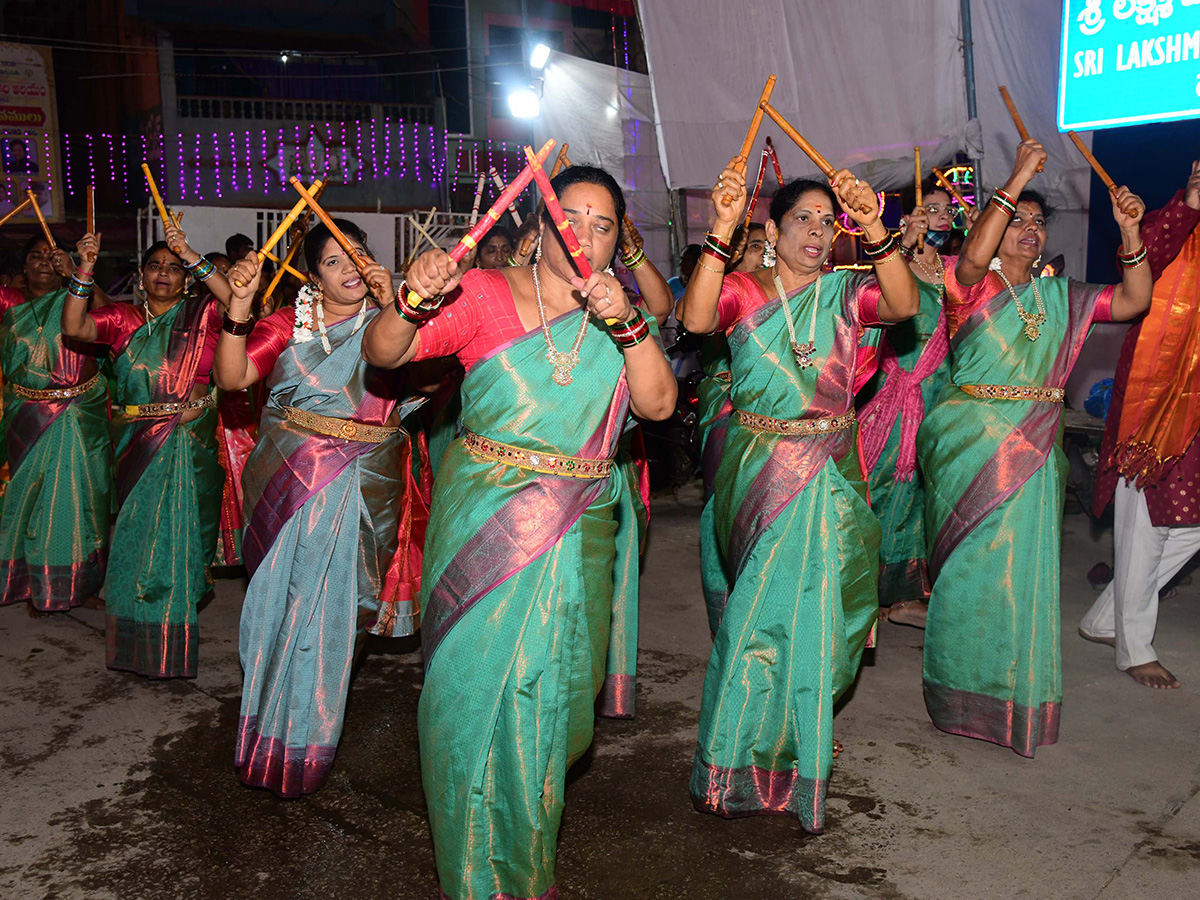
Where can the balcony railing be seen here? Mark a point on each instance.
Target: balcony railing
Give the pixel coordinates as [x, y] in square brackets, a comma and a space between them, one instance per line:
[260, 110]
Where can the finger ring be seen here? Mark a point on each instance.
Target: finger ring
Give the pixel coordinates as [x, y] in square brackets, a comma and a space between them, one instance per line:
[607, 301]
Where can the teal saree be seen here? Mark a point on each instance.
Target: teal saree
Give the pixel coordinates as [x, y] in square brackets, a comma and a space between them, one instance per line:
[169, 482]
[325, 518]
[802, 546]
[55, 521]
[914, 367]
[994, 479]
[529, 605]
[713, 414]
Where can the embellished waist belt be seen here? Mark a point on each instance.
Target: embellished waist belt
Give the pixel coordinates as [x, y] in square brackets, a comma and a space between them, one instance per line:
[166, 410]
[1013, 392]
[546, 463]
[826, 425]
[63, 393]
[347, 429]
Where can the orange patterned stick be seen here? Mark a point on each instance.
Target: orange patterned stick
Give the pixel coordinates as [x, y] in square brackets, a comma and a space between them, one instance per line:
[327, 221]
[91, 209]
[762, 169]
[751, 133]
[920, 196]
[775, 161]
[158, 200]
[1130, 210]
[559, 217]
[37, 211]
[560, 220]
[471, 241]
[1016, 117]
[15, 211]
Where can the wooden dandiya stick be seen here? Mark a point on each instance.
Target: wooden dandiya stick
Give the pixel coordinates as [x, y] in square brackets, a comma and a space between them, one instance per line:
[809, 150]
[920, 195]
[751, 134]
[91, 209]
[561, 161]
[1130, 210]
[279, 232]
[951, 187]
[775, 161]
[512, 206]
[15, 211]
[424, 234]
[286, 223]
[158, 200]
[1016, 117]
[762, 170]
[327, 221]
[471, 240]
[560, 219]
[37, 211]
[295, 245]
[478, 198]
[284, 266]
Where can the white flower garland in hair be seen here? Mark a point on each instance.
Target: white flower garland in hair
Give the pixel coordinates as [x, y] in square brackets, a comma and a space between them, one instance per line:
[302, 330]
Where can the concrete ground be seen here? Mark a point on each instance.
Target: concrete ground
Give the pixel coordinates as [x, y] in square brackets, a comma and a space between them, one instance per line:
[116, 787]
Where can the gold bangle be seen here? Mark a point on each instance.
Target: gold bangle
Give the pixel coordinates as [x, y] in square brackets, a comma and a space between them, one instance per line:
[720, 272]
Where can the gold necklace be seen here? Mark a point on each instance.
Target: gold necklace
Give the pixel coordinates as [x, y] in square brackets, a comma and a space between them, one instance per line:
[1033, 321]
[802, 352]
[936, 276]
[563, 362]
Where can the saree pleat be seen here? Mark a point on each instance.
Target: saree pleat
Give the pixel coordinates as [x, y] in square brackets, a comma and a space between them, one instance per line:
[802, 544]
[169, 480]
[529, 614]
[712, 394]
[55, 519]
[323, 524]
[896, 489]
[994, 479]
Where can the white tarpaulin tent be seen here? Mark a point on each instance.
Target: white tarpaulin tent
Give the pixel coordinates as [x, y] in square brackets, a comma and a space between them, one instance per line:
[865, 81]
[607, 116]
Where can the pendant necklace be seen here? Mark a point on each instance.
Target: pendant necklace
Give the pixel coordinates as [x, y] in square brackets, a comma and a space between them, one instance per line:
[803, 352]
[563, 362]
[150, 317]
[937, 276]
[358, 322]
[1033, 321]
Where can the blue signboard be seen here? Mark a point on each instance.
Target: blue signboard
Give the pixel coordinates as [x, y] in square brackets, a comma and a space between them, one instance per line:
[1126, 62]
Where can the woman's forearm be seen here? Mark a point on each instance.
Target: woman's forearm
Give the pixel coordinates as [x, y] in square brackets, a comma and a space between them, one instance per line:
[390, 340]
[76, 323]
[232, 369]
[1133, 295]
[654, 290]
[652, 386]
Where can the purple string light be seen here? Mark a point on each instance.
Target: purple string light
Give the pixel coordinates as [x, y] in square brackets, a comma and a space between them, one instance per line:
[217, 164]
[67, 161]
[196, 166]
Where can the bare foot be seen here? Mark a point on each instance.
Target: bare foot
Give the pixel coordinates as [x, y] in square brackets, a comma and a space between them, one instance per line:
[1097, 639]
[35, 613]
[909, 612]
[837, 748]
[1153, 675]
[93, 603]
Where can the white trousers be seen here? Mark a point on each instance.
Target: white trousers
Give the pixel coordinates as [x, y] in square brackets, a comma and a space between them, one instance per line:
[1145, 558]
